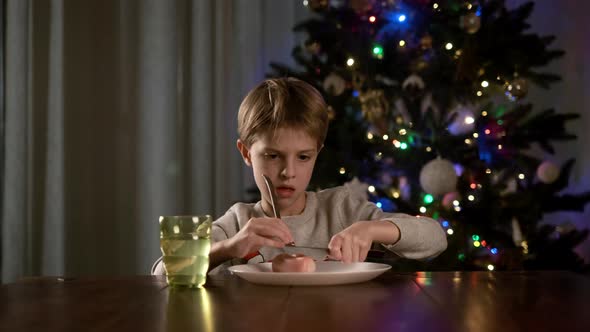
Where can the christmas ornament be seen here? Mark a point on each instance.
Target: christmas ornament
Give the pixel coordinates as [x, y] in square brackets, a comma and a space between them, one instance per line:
[449, 198]
[426, 42]
[334, 84]
[413, 82]
[517, 89]
[470, 23]
[428, 104]
[375, 108]
[331, 113]
[438, 177]
[464, 121]
[548, 172]
[361, 6]
[313, 47]
[318, 5]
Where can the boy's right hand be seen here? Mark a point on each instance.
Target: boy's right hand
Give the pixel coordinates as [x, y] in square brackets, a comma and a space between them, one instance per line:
[257, 233]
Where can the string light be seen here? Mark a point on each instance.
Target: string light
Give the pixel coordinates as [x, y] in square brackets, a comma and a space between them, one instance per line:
[490, 267]
[473, 186]
[396, 143]
[372, 19]
[401, 18]
[494, 251]
[379, 205]
[479, 93]
[521, 176]
[371, 189]
[342, 170]
[378, 50]
[428, 149]
[488, 171]
[435, 5]
[402, 132]
[350, 62]
[475, 237]
[428, 199]
[484, 113]
[395, 194]
[450, 231]
[525, 247]
[457, 208]
[468, 141]
[445, 223]
[499, 146]
[471, 198]
[455, 203]
[475, 135]
[403, 145]
[484, 84]
[476, 244]
[305, 3]
[370, 135]
[487, 131]
[385, 137]
[402, 43]
[449, 46]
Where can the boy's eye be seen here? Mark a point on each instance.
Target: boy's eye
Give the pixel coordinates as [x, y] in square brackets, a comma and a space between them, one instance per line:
[304, 157]
[271, 155]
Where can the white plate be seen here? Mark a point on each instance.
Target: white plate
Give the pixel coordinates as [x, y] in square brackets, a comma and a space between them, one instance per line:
[326, 273]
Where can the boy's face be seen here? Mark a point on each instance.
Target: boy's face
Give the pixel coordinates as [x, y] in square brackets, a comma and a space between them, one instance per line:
[287, 158]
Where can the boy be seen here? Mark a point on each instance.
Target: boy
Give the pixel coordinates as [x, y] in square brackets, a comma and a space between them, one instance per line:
[282, 124]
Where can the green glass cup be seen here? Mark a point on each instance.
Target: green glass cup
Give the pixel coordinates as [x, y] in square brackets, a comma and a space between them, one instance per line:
[185, 242]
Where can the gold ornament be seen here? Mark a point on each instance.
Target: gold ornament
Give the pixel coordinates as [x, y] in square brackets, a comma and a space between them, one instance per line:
[313, 47]
[375, 108]
[426, 42]
[331, 113]
[517, 89]
[361, 6]
[470, 23]
[318, 5]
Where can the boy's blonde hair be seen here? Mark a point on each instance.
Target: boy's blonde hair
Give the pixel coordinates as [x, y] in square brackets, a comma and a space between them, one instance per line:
[282, 103]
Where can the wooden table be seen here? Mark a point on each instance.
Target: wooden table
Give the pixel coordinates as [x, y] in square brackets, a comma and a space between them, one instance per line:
[423, 301]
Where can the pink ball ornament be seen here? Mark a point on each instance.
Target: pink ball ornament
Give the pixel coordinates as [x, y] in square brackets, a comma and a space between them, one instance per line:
[448, 199]
[548, 172]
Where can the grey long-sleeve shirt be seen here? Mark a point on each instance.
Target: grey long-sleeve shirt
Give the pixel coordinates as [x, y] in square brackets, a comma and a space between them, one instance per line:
[328, 212]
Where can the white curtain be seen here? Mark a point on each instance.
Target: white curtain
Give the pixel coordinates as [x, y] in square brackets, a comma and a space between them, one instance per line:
[118, 112]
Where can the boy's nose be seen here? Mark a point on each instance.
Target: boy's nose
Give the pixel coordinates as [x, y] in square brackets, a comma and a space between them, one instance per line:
[288, 170]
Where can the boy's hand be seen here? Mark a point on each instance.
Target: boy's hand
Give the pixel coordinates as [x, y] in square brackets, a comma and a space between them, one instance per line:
[257, 233]
[353, 243]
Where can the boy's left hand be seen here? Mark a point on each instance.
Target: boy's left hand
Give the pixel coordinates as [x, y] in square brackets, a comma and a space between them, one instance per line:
[352, 244]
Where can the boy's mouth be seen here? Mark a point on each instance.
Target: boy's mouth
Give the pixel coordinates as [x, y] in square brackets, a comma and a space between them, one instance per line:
[285, 191]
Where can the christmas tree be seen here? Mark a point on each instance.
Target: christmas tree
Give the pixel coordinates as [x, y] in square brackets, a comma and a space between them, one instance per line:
[429, 115]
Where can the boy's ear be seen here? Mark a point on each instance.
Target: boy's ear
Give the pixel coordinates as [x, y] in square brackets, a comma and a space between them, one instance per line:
[244, 151]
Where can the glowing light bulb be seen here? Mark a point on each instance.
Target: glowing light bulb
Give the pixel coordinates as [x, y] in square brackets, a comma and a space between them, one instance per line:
[450, 231]
[422, 209]
[342, 170]
[479, 93]
[490, 267]
[372, 19]
[371, 189]
[484, 84]
[435, 5]
[521, 176]
[350, 62]
[402, 132]
[449, 46]
[370, 135]
[471, 198]
[401, 18]
[385, 137]
[402, 43]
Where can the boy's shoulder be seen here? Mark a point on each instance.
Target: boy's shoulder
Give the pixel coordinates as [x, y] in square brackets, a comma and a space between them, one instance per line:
[238, 211]
[331, 194]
